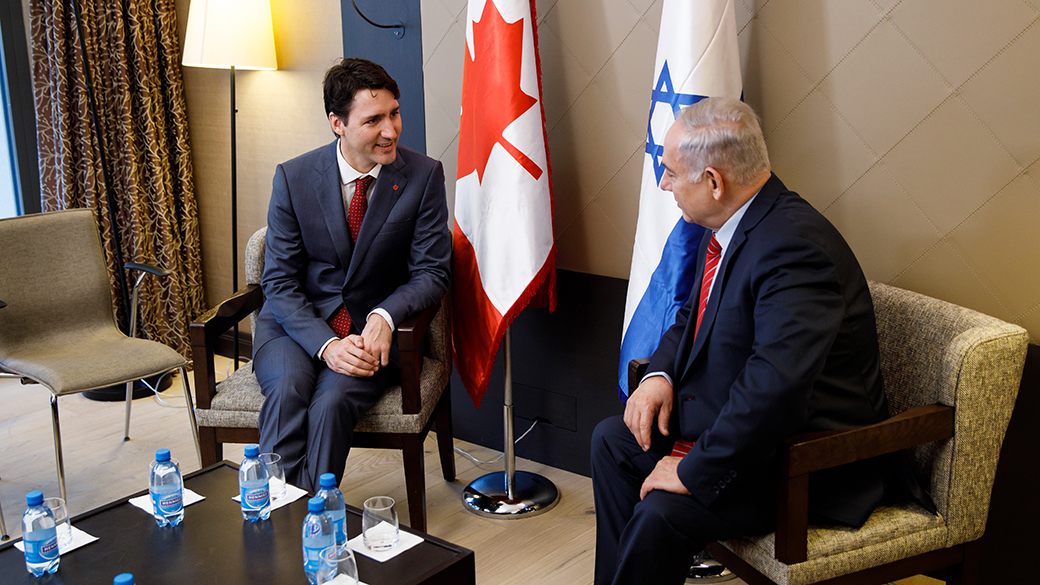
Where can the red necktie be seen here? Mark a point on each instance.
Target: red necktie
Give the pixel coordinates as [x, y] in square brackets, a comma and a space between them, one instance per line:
[340, 321]
[711, 263]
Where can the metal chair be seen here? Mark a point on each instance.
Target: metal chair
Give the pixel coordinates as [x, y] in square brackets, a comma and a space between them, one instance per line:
[229, 411]
[58, 328]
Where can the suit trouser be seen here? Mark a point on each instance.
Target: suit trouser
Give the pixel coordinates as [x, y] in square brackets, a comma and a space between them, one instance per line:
[309, 411]
[653, 540]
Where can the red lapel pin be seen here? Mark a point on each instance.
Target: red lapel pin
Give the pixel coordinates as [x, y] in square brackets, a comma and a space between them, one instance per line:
[395, 187]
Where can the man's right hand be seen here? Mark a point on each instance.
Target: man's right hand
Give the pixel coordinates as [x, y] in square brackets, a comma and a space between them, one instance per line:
[653, 399]
[349, 357]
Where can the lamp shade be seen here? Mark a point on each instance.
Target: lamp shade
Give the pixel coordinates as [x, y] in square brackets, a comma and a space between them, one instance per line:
[226, 33]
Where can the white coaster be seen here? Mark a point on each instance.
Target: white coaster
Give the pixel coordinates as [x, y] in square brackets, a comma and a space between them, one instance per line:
[145, 502]
[79, 538]
[406, 541]
[292, 493]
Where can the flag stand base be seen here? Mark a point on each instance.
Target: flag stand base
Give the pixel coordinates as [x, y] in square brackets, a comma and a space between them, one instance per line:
[532, 495]
[510, 493]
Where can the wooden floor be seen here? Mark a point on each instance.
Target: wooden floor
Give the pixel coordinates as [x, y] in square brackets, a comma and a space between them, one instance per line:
[554, 548]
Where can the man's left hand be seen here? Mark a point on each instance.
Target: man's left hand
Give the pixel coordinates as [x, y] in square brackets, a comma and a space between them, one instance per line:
[665, 476]
[377, 335]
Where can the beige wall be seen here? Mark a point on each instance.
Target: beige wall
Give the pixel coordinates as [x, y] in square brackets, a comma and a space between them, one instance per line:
[912, 125]
[279, 117]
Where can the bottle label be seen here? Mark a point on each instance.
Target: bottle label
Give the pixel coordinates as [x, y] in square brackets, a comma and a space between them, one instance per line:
[312, 547]
[255, 498]
[339, 523]
[41, 546]
[167, 503]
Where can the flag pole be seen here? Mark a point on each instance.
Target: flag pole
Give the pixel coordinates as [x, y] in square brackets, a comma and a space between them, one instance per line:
[510, 494]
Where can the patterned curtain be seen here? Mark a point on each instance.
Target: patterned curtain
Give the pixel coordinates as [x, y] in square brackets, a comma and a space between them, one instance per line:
[134, 57]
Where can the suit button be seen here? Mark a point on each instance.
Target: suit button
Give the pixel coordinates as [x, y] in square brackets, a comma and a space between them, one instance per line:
[716, 490]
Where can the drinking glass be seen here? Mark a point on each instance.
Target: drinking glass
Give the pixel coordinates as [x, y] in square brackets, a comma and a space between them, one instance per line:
[337, 566]
[379, 527]
[273, 461]
[61, 520]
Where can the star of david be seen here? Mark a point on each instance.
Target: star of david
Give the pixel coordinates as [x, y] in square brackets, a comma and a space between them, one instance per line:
[664, 93]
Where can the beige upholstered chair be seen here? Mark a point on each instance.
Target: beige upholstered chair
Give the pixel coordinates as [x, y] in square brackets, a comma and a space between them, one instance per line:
[951, 377]
[228, 411]
[58, 329]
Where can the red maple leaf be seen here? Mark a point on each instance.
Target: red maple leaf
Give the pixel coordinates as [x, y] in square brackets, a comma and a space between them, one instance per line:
[491, 95]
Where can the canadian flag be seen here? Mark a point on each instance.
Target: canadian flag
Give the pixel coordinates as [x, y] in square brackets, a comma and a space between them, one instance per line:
[504, 251]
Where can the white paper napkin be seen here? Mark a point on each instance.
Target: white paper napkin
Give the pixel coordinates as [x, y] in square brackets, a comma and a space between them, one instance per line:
[145, 502]
[406, 541]
[292, 493]
[79, 538]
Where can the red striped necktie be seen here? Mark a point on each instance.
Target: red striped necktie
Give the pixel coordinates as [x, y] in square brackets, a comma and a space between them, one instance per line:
[340, 321]
[711, 264]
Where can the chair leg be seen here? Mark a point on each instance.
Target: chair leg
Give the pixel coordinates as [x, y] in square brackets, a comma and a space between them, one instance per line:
[57, 446]
[189, 404]
[415, 481]
[211, 451]
[445, 438]
[129, 399]
[3, 526]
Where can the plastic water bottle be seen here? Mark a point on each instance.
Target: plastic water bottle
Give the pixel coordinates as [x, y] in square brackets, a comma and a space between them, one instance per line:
[39, 536]
[167, 489]
[335, 508]
[318, 535]
[253, 486]
[123, 579]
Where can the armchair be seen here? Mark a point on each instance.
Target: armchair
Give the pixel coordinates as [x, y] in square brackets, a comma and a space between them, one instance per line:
[951, 377]
[229, 411]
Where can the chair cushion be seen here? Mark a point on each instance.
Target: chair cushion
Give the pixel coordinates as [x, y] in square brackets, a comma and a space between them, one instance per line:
[238, 401]
[891, 533]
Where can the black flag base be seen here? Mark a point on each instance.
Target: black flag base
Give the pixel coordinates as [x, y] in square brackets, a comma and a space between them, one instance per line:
[489, 495]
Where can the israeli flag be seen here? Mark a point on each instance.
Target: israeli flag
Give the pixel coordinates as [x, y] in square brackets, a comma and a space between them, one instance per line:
[697, 57]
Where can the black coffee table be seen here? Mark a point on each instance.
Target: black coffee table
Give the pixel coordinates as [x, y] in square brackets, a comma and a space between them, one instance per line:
[215, 546]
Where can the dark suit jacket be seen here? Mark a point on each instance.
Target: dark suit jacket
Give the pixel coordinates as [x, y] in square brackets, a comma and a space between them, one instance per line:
[401, 261]
[788, 344]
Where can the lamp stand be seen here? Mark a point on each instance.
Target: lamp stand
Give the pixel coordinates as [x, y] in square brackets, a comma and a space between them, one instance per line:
[234, 211]
[510, 494]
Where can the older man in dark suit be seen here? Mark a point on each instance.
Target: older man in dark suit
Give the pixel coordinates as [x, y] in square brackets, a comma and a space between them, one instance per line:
[357, 241]
[778, 338]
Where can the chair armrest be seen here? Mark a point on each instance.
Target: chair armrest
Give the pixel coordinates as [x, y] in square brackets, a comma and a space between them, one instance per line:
[150, 269]
[636, 370]
[411, 349]
[802, 454]
[209, 327]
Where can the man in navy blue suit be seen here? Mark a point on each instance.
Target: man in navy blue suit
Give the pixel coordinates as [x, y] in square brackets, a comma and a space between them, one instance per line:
[778, 338]
[357, 241]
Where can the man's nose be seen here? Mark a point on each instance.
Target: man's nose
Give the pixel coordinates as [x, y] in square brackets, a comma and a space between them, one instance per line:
[666, 183]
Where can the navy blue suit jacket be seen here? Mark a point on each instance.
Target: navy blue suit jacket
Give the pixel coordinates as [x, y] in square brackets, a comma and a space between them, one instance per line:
[788, 344]
[401, 261]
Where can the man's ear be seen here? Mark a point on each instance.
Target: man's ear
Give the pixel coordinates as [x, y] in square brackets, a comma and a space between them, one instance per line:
[337, 124]
[716, 183]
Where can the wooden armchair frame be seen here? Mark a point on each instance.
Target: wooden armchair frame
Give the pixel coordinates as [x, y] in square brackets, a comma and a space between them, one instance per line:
[411, 345]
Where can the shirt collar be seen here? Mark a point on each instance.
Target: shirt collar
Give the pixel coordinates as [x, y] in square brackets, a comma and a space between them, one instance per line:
[725, 233]
[347, 173]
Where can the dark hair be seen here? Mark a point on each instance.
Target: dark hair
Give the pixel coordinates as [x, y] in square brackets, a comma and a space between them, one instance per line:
[346, 78]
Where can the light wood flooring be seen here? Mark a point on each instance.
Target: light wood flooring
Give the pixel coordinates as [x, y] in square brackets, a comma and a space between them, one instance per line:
[555, 548]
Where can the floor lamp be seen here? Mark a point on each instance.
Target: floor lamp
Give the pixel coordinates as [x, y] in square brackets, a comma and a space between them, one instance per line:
[230, 34]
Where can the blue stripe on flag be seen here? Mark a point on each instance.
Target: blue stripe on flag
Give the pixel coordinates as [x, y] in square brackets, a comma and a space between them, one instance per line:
[668, 290]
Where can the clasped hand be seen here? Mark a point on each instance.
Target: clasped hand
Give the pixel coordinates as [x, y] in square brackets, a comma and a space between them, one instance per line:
[653, 400]
[362, 355]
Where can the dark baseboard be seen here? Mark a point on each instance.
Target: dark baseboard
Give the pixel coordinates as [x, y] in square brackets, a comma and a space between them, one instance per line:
[226, 345]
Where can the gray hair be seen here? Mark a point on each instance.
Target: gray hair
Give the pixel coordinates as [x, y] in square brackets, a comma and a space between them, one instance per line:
[723, 133]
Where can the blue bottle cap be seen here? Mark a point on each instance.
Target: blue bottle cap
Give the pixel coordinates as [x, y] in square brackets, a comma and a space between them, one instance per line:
[162, 455]
[35, 498]
[316, 505]
[252, 450]
[126, 578]
[327, 480]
